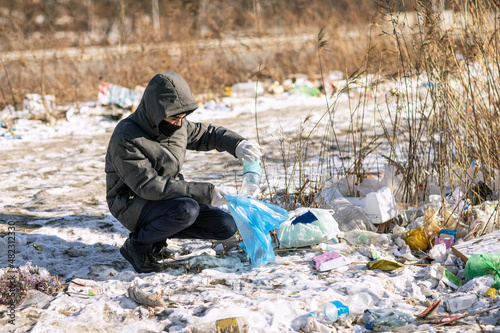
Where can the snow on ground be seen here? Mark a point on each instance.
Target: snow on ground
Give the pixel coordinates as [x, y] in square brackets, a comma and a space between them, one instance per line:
[53, 193]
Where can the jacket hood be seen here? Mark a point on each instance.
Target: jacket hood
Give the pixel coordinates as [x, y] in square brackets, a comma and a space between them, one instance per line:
[166, 95]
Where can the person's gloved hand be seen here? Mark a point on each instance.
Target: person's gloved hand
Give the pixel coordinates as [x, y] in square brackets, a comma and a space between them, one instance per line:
[248, 150]
[218, 197]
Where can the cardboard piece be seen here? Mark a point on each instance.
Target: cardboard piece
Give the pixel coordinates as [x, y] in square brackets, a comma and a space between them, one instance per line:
[440, 273]
[330, 260]
[489, 243]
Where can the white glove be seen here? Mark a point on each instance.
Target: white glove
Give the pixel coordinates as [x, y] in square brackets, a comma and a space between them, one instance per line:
[218, 197]
[248, 150]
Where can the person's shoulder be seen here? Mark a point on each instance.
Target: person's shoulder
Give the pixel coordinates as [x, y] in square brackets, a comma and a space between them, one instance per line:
[128, 130]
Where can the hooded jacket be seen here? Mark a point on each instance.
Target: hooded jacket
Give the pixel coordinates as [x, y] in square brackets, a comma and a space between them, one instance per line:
[142, 164]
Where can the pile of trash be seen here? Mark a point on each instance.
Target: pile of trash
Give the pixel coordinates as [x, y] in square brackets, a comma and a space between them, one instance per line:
[456, 240]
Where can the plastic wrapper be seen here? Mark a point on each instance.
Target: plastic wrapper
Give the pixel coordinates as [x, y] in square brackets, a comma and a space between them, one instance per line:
[384, 265]
[307, 226]
[254, 220]
[348, 216]
[484, 264]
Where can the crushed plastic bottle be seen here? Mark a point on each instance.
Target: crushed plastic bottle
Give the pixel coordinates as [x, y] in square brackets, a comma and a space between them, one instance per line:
[460, 303]
[251, 178]
[384, 319]
[330, 312]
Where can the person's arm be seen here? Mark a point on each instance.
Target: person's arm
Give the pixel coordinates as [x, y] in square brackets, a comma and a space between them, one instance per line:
[204, 137]
[136, 172]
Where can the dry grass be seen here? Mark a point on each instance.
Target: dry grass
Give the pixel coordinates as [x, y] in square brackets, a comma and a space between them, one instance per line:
[30, 27]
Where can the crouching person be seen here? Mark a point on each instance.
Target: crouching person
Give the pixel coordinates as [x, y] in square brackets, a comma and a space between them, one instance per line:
[144, 188]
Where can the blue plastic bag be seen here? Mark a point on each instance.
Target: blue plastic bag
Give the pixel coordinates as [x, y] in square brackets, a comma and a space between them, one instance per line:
[254, 220]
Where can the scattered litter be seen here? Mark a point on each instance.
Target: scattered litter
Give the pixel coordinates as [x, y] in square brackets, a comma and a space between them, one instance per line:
[233, 324]
[83, 288]
[140, 297]
[349, 216]
[307, 226]
[430, 310]
[459, 303]
[304, 90]
[385, 319]
[484, 264]
[491, 293]
[416, 240]
[121, 96]
[312, 325]
[432, 226]
[364, 237]
[9, 131]
[447, 237]
[212, 105]
[440, 273]
[384, 265]
[330, 260]
[330, 312]
[380, 206]
[245, 89]
[38, 106]
[439, 253]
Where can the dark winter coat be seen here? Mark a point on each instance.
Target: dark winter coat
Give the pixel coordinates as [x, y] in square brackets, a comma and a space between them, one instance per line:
[142, 164]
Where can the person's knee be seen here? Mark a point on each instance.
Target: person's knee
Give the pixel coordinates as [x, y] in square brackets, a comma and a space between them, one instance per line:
[188, 210]
[229, 228]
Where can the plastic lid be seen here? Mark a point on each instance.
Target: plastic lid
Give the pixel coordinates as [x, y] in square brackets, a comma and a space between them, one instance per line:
[369, 326]
[342, 310]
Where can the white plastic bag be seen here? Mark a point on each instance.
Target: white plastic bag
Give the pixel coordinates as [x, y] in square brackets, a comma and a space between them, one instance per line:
[307, 226]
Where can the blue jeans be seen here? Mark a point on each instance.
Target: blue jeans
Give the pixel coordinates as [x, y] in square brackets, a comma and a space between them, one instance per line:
[180, 218]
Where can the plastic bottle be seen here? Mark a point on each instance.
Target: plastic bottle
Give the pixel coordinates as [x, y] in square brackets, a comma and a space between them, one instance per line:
[384, 319]
[460, 303]
[330, 312]
[251, 178]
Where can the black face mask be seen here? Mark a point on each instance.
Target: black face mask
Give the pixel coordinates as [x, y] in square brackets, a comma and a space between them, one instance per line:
[167, 128]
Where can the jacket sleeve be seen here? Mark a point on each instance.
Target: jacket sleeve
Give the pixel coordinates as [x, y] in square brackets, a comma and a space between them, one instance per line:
[203, 137]
[137, 173]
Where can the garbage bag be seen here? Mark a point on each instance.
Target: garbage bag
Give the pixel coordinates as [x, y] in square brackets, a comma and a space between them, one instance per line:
[307, 226]
[416, 240]
[483, 264]
[254, 220]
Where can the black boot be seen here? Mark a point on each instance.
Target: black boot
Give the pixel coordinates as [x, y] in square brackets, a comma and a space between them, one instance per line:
[160, 251]
[142, 262]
